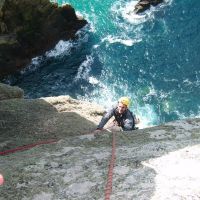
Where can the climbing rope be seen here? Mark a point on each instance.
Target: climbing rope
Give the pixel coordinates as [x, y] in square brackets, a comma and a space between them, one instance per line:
[108, 189]
[25, 147]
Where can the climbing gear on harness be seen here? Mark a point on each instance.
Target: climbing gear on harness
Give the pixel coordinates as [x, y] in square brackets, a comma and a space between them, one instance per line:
[125, 101]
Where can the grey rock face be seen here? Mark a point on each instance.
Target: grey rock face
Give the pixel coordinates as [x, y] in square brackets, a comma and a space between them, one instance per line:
[157, 163]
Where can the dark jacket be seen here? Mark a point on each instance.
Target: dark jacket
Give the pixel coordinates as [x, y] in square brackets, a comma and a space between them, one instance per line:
[125, 120]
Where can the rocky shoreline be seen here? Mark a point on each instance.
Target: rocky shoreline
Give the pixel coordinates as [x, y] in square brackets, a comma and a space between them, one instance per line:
[30, 28]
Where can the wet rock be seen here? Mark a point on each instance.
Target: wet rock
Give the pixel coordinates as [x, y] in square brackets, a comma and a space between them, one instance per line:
[30, 28]
[143, 5]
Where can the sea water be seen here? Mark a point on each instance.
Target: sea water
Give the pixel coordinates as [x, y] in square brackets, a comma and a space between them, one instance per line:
[153, 58]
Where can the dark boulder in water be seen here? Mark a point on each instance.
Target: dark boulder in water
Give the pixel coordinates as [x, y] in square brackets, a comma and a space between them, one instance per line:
[30, 28]
[143, 5]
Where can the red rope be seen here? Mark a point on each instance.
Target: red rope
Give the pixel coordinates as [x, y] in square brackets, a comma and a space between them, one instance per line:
[108, 189]
[25, 147]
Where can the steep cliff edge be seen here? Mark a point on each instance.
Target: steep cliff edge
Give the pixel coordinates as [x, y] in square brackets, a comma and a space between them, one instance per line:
[30, 28]
[156, 163]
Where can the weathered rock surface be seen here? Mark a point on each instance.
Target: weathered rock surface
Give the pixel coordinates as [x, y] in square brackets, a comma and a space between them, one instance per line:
[30, 28]
[9, 92]
[143, 5]
[55, 117]
[157, 163]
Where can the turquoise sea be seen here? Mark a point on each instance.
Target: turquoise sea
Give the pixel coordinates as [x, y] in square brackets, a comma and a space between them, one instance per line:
[152, 58]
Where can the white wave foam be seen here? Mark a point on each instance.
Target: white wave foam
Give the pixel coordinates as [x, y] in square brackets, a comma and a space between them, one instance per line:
[84, 69]
[129, 15]
[104, 94]
[187, 82]
[147, 116]
[79, 14]
[62, 48]
[127, 11]
[93, 80]
[35, 64]
[115, 39]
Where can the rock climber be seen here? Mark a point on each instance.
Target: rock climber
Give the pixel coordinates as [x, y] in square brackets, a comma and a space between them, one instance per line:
[125, 120]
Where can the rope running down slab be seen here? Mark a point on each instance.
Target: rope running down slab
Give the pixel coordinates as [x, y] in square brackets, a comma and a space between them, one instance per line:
[108, 189]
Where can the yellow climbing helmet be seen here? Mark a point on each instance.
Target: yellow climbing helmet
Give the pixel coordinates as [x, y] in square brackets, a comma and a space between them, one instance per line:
[125, 101]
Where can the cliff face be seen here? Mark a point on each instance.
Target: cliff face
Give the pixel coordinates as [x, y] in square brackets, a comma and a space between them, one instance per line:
[155, 163]
[29, 28]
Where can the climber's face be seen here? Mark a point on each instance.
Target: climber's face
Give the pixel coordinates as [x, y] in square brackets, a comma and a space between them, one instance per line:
[121, 108]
